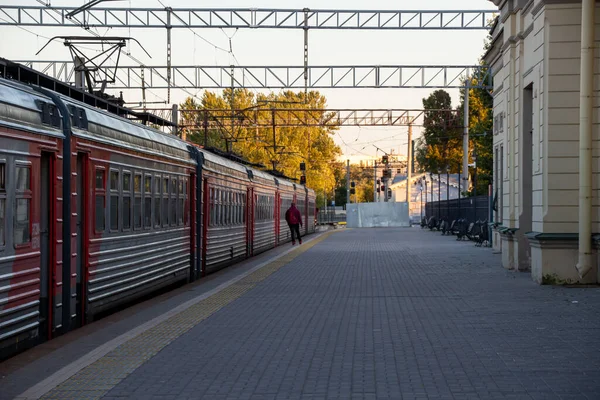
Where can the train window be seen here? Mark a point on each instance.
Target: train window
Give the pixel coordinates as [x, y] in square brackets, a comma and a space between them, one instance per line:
[22, 227]
[244, 207]
[157, 203]
[236, 208]
[165, 202]
[148, 201]
[173, 202]
[137, 201]
[180, 199]
[114, 200]
[99, 179]
[220, 208]
[211, 205]
[126, 200]
[100, 201]
[2, 177]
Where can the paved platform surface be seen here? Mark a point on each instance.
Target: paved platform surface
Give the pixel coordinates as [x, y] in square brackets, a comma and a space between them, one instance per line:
[352, 314]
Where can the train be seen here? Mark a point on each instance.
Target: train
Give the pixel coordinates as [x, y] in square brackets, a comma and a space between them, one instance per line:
[97, 211]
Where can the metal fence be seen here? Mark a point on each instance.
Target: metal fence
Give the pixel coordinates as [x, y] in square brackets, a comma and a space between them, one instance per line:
[460, 208]
[331, 215]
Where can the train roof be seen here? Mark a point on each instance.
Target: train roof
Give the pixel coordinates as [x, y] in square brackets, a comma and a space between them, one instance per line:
[125, 126]
[28, 114]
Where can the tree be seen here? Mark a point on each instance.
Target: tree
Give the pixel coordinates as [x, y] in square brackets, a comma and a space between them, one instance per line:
[440, 147]
[283, 148]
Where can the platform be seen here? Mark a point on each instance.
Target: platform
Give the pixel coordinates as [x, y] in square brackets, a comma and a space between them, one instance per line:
[395, 313]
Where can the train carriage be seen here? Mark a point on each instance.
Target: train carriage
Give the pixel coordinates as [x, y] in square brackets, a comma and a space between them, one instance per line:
[226, 186]
[132, 226]
[30, 217]
[97, 211]
[263, 203]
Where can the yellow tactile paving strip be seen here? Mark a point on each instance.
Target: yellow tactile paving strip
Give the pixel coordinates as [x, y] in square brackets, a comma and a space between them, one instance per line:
[95, 380]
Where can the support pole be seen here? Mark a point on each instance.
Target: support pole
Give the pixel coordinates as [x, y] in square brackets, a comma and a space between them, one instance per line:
[169, 11]
[465, 167]
[274, 138]
[584, 265]
[375, 181]
[205, 129]
[143, 88]
[408, 167]
[347, 181]
[232, 108]
[175, 121]
[306, 10]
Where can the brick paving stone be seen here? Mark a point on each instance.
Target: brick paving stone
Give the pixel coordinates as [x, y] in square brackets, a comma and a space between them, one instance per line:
[368, 314]
[387, 313]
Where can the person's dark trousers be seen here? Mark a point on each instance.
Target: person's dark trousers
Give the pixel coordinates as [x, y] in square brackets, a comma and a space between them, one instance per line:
[295, 228]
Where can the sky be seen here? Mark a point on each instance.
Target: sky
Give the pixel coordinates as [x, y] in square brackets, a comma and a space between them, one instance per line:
[285, 47]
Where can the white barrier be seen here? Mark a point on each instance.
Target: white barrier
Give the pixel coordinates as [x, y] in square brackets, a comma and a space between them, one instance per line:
[377, 215]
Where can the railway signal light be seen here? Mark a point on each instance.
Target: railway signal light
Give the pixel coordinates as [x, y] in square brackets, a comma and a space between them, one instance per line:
[352, 191]
[303, 180]
[352, 184]
[302, 166]
[384, 159]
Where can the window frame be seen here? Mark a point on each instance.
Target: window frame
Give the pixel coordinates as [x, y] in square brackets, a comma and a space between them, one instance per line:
[26, 194]
[100, 192]
[114, 193]
[173, 189]
[138, 195]
[157, 200]
[126, 194]
[147, 195]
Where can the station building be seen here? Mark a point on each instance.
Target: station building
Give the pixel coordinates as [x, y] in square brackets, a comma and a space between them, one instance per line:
[546, 147]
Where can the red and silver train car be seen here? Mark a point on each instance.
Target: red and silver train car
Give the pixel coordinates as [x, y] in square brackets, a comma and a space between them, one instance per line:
[97, 211]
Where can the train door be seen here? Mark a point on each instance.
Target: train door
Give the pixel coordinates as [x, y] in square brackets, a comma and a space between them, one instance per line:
[83, 187]
[249, 222]
[47, 219]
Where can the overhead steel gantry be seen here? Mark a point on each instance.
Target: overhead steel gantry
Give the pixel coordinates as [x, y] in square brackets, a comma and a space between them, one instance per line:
[275, 77]
[247, 18]
[295, 117]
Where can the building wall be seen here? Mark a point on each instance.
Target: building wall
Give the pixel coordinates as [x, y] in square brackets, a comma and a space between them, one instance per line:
[536, 61]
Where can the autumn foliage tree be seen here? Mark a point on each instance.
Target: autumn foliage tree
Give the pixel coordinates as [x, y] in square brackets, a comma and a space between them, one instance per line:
[282, 149]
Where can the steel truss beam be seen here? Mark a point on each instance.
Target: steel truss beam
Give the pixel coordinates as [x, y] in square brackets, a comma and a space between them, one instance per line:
[275, 77]
[248, 18]
[292, 117]
[305, 117]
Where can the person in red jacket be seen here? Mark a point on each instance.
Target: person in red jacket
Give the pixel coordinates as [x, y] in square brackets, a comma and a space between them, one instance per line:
[294, 220]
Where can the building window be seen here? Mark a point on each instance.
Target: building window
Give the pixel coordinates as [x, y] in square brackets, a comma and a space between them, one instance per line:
[148, 201]
[137, 201]
[22, 233]
[100, 196]
[114, 200]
